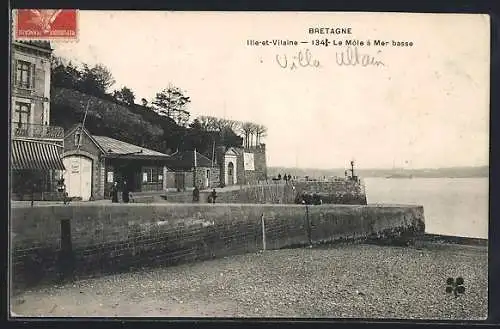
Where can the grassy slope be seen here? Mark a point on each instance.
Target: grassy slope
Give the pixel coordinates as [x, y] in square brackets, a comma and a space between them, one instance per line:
[108, 118]
[135, 124]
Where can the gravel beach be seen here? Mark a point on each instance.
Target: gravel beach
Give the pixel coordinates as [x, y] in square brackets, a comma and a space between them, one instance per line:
[360, 281]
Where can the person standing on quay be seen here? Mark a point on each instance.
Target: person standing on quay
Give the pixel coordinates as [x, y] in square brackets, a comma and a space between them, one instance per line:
[213, 196]
[196, 194]
[125, 196]
[114, 193]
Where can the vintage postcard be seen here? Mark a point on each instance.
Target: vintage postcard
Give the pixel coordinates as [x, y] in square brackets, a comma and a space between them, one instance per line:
[249, 164]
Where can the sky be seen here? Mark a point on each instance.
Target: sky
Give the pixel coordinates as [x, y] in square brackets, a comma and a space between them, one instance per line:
[424, 106]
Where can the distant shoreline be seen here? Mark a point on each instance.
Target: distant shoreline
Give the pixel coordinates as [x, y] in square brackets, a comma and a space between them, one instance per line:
[412, 177]
[395, 173]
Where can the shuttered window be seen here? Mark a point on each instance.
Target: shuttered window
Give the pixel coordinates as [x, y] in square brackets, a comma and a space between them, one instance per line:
[25, 75]
[22, 114]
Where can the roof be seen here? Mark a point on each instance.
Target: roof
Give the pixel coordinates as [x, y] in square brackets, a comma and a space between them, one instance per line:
[185, 159]
[231, 151]
[36, 43]
[113, 146]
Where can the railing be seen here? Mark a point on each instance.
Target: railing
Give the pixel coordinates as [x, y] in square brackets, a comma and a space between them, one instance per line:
[37, 131]
[23, 91]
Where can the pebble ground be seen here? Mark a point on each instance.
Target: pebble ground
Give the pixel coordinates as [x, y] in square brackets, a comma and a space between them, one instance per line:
[343, 281]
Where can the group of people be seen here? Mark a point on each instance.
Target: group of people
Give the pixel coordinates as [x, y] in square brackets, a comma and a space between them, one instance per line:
[286, 177]
[309, 199]
[125, 193]
[211, 197]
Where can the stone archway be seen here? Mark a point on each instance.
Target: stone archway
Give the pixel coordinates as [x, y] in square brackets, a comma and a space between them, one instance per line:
[230, 173]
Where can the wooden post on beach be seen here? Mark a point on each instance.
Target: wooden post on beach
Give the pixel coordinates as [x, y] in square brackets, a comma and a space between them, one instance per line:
[263, 232]
[308, 225]
[66, 254]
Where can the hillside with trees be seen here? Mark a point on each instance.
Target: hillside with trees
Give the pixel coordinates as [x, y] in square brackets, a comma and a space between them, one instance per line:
[163, 123]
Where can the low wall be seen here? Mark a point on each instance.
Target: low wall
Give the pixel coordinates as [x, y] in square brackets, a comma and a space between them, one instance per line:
[331, 193]
[336, 192]
[253, 194]
[38, 196]
[113, 237]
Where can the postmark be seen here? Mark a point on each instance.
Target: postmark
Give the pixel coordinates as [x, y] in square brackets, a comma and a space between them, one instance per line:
[46, 24]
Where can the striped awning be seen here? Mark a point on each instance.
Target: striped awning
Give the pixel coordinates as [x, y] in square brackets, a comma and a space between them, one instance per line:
[33, 155]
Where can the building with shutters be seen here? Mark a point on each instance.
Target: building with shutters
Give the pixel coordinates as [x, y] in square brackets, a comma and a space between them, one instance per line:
[36, 146]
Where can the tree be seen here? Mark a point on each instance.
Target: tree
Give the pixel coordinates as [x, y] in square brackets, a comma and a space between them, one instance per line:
[253, 134]
[96, 80]
[207, 122]
[172, 103]
[181, 117]
[125, 95]
[65, 76]
[261, 131]
[230, 124]
[219, 124]
[144, 102]
[247, 129]
[196, 125]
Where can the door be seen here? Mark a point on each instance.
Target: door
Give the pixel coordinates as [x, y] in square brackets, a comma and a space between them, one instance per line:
[78, 177]
[230, 173]
[180, 181]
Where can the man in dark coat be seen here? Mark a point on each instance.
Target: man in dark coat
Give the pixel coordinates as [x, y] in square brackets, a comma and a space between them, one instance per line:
[114, 193]
[213, 196]
[125, 192]
[196, 194]
[316, 199]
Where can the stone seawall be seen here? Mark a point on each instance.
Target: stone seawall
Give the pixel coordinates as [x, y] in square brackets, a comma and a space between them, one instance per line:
[331, 193]
[114, 237]
[336, 192]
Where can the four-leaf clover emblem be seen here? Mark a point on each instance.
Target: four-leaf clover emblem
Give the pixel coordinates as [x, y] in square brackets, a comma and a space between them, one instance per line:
[455, 286]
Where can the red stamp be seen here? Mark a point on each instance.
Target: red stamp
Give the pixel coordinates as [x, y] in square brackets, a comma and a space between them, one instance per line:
[45, 24]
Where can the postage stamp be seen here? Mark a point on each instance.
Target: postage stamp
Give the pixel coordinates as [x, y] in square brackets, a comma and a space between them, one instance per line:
[46, 24]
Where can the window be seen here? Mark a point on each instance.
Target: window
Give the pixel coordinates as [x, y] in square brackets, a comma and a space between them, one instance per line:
[22, 114]
[78, 138]
[24, 72]
[110, 177]
[151, 175]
